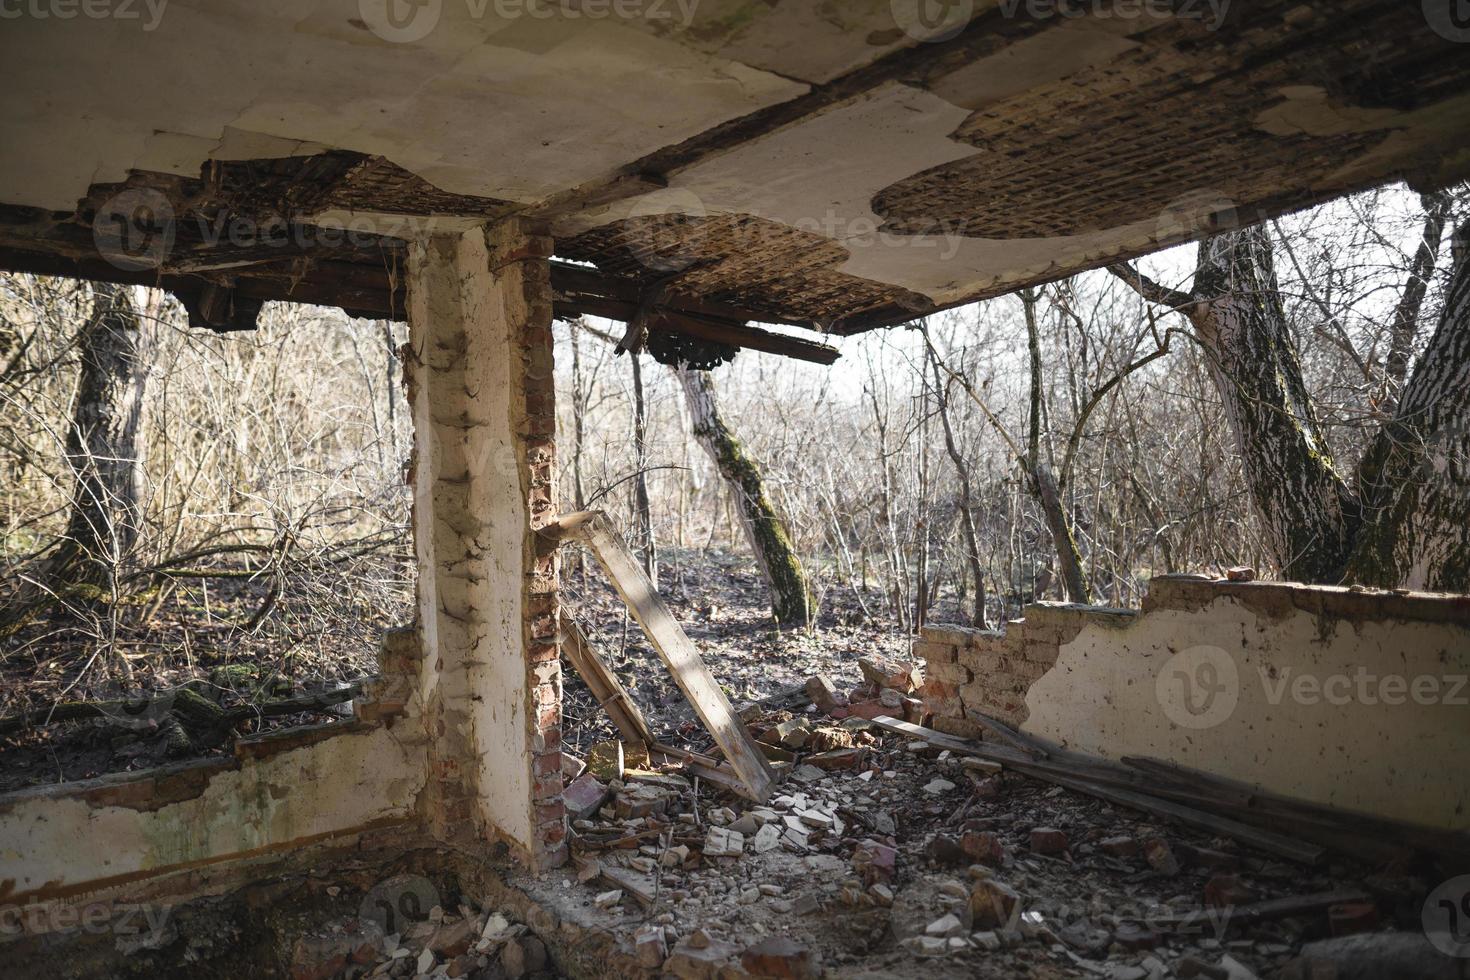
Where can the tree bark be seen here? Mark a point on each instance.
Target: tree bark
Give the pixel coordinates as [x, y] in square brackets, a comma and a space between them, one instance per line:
[1415, 478]
[103, 447]
[1405, 324]
[791, 601]
[1404, 522]
[1305, 505]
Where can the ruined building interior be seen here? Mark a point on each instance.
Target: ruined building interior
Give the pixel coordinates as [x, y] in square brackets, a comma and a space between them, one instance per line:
[766, 176]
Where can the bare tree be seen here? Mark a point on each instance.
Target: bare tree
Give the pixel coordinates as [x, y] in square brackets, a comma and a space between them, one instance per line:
[765, 530]
[103, 445]
[967, 494]
[1397, 524]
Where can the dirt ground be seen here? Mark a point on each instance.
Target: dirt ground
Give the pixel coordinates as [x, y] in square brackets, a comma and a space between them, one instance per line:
[321, 633]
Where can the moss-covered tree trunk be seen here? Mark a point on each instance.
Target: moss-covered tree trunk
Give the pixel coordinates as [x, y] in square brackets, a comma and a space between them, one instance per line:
[1404, 521]
[1415, 478]
[770, 542]
[103, 445]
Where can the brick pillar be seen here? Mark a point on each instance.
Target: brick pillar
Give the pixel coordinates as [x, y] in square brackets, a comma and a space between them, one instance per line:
[481, 387]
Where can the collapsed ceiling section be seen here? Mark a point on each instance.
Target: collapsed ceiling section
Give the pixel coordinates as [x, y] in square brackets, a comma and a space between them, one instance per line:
[839, 169]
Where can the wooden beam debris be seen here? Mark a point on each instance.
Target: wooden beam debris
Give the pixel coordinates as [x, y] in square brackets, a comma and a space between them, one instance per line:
[673, 646]
[1111, 782]
[611, 696]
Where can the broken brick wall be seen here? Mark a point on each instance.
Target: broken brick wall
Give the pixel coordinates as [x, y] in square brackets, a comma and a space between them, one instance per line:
[969, 671]
[481, 384]
[1344, 697]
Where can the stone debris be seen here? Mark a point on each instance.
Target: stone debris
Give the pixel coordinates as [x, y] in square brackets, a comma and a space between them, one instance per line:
[878, 845]
[722, 842]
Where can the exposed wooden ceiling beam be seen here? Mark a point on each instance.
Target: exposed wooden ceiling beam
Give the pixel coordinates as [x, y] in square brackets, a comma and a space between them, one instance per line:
[230, 299]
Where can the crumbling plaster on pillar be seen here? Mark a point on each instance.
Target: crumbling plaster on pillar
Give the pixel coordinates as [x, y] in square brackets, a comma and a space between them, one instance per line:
[480, 314]
[1316, 688]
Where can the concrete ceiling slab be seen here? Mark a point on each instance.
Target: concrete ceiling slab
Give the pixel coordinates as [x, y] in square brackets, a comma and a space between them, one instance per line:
[703, 145]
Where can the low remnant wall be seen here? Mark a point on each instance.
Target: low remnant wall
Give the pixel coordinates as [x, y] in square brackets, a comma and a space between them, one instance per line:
[277, 792]
[1348, 698]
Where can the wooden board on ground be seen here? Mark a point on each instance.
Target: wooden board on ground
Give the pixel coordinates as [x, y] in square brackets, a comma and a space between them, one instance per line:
[676, 650]
[603, 683]
[1108, 781]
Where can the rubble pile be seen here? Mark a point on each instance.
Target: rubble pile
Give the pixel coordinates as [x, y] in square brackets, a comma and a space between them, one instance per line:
[878, 851]
[470, 943]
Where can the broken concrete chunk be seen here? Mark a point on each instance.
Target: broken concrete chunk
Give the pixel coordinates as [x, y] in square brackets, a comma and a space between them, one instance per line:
[766, 839]
[1119, 847]
[605, 760]
[937, 785]
[746, 824]
[723, 842]
[607, 899]
[884, 672]
[584, 796]
[874, 862]
[824, 693]
[1048, 840]
[651, 947]
[992, 903]
[707, 962]
[944, 927]
[983, 846]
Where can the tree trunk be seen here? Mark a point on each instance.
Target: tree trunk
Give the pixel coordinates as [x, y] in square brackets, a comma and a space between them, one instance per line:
[1415, 478]
[640, 476]
[1038, 471]
[1307, 508]
[103, 447]
[1405, 324]
[791, 602]
[967, 504]
[1406, 521]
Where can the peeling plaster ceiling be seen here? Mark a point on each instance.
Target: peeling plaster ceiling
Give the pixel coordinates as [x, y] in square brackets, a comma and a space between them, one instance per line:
[802, 162]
